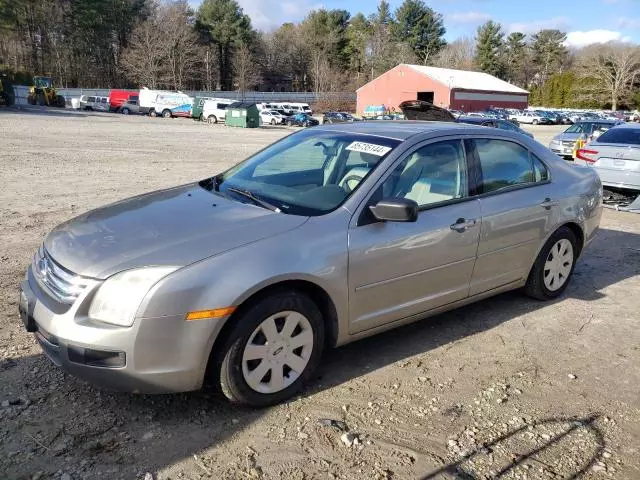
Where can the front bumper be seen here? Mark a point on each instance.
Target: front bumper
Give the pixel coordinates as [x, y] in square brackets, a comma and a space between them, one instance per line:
[158, 355]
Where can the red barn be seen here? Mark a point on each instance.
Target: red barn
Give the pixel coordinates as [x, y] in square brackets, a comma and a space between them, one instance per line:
[443, 87]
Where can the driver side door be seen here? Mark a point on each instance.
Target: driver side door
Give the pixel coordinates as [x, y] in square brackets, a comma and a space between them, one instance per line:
[399, 270]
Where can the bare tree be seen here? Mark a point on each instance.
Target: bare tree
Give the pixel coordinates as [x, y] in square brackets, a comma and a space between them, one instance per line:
[458, 54]
[245, 69]
[181, 43]
[611, 70]
[143, 60]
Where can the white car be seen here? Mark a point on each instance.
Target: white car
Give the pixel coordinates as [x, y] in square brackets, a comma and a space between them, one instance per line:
[214, 111]
[531, 118]
[271, 117]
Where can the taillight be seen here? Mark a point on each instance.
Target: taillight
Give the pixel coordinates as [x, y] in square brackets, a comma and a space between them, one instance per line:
[587, 155]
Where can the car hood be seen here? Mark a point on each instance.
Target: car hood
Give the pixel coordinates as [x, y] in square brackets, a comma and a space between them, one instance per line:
[177, 226]
[566, 137]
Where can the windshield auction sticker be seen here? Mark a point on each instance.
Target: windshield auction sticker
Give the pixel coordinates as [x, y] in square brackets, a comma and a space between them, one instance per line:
[371, 148]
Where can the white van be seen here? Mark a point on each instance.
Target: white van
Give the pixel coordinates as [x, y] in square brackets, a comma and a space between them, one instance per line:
[300, 108]
[173, 104]
[214, 110]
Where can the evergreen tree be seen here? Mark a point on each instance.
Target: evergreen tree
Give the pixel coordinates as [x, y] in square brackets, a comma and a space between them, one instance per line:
[224, 24]
[421, 28]
[490, 49]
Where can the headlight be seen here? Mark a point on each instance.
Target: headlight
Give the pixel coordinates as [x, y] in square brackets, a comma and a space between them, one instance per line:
[555, 142]
[119, 297]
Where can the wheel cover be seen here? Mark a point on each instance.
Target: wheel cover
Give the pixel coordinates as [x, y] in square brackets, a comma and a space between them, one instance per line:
[558, 265]
[277, 352]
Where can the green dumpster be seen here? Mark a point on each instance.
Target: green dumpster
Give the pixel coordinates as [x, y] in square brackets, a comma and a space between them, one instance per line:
[242, 114]
[196, 110]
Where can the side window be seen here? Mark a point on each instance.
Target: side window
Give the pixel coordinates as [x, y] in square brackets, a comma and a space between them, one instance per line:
[505, 164]
[540, 171]
[434, 173]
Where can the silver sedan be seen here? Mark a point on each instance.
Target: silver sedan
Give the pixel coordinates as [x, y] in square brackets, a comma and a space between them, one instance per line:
[615, 155]
[330, 235]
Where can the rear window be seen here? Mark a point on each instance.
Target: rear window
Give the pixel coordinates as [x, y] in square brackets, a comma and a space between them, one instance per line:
[628, 136]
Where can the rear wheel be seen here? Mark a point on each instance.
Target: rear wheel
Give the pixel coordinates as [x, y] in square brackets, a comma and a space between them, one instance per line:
[535, 122]
[166, 113]
[60, 101]
[289, 123]
[273, 350]
[273, 121]
[152, 113]
[554, 266]
[212, 119]
[125, 111]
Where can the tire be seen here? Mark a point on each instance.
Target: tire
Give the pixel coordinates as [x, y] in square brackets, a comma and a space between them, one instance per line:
[289, 123]
[534, 122]
[152, 113]
[539, 288]
[125, 111]
[61, 102]
[41, 100]
[273, 122]
[212, 119]
[277, 309]
[166, 114]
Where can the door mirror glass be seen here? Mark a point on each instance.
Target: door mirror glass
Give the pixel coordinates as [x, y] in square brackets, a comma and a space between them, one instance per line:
[395, 210]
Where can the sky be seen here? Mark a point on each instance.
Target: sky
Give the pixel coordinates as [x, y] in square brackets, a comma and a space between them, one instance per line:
[585, 21]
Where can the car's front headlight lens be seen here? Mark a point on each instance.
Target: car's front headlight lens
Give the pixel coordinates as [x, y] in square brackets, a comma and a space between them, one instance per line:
[119, 297]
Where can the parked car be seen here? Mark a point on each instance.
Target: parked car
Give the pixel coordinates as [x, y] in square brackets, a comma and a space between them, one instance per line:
[271, 117]
[301, 120]
[615, 155]
[329, 235]
[494, 123]
[117, 98]
[214, 111]
[563, 143]
[532, 118]
[300, 108]
[338, 117]
[131, 106]
[95, 103]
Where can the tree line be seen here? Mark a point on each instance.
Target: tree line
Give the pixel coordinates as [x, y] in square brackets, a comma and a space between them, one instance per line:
[126, 43]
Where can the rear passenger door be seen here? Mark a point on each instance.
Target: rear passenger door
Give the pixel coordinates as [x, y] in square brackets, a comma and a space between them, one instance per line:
[517, 205]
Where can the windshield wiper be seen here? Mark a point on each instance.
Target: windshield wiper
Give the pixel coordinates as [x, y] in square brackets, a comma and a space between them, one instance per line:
[256, 200]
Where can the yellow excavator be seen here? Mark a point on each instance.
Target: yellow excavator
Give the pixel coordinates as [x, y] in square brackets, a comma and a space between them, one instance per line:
[44, 93]
[7, 96]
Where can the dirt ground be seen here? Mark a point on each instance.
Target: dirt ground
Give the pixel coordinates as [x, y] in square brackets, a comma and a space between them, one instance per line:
[509, 387]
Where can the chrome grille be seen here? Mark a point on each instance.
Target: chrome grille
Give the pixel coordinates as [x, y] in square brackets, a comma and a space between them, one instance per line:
[568, 143]
[63, 285]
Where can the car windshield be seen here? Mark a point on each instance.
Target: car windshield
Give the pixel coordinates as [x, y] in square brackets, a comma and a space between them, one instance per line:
[307, 173]
[626, 136]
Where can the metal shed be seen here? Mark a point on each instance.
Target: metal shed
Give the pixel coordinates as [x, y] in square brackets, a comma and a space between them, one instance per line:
[242, 114]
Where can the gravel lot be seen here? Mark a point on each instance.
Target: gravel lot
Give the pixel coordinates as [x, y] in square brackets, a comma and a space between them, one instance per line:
[509, 387]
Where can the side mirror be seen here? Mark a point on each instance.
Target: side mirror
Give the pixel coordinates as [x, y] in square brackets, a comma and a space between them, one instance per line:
[395, 210]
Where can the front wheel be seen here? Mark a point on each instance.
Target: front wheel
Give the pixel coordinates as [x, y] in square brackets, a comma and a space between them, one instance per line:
[273, 351]
[554, 266]
[273, 122]
[535, 122]
[212, 119]
[166, 113]
[125, 111]
[289, 123]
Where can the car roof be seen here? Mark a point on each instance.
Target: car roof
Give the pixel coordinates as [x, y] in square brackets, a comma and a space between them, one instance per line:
[598, 120]
[398, 129]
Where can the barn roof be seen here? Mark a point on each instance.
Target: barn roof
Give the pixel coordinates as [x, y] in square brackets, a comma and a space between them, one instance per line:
[467, 80]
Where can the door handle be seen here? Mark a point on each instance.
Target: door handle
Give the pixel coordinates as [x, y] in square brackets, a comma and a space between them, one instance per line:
[548, 203]
[461, 224]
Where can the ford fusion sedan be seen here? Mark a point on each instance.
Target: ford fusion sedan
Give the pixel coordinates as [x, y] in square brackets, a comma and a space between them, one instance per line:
[327, 236]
